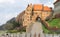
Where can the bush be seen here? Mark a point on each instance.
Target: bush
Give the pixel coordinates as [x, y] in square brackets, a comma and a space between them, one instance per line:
[12, 31]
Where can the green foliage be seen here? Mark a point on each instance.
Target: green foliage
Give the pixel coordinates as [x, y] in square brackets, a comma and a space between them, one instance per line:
[12, 31]
[15, 24]
[13, 27]
[8, 26]
[16, 31]
[11, 24]
[47, 31]
[54, 23]
[23, 29]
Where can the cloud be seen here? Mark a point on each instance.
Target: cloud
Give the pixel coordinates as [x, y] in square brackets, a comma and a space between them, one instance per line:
[8, 9]
[6, 1]
[5, 17]
[55, 0]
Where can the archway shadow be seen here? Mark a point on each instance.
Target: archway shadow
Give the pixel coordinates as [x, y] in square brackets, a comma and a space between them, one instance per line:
[38, 19]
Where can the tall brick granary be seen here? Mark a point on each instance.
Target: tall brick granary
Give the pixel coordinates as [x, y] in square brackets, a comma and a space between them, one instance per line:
[32, 12]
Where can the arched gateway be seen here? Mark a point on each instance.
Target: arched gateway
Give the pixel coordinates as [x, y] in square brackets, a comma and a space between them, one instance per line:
[38, 19]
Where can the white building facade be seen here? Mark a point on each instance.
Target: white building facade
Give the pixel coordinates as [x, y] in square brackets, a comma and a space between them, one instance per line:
[57, 7]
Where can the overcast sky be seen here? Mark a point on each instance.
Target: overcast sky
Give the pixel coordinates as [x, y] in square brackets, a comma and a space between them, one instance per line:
[11, 8]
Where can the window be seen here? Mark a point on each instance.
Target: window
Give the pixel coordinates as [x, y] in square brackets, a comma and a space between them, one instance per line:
[27, 13]
[32, 13]
[23, 19]
[28, 19]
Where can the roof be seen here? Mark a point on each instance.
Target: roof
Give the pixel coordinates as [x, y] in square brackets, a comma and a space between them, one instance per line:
[46, 8]
[38, 7]
[56, 1]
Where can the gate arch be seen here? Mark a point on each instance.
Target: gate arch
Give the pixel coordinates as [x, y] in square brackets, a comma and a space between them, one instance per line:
[38, 18]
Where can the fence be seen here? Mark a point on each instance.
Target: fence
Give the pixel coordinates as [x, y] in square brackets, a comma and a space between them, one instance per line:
[27, 35]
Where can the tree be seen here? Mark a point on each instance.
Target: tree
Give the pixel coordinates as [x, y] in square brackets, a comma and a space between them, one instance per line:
[8, 26]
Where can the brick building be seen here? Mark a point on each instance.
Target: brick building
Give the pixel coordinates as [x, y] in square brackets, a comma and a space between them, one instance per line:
[33, 12]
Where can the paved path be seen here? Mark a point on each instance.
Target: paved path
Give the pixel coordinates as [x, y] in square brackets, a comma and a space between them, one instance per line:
[37, 28]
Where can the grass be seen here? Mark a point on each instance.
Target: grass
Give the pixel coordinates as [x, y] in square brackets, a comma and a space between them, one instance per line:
[2, 32]
[54, 23]
[46, 31]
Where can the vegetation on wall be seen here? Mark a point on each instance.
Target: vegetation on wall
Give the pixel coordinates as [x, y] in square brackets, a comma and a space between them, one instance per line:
[53, 23]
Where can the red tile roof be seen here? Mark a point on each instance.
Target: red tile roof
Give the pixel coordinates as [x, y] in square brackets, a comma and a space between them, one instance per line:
[46, 8]
[38, 7]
